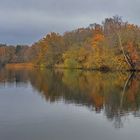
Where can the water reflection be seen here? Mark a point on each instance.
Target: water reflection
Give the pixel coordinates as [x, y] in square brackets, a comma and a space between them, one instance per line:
[116, 94]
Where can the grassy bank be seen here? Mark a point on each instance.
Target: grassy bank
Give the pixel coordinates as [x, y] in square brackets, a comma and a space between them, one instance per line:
[20, 65]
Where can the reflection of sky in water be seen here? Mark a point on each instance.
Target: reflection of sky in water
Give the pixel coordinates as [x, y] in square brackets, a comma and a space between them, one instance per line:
[24, 114]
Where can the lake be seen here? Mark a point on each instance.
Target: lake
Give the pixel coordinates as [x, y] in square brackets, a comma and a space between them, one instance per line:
[69, 105]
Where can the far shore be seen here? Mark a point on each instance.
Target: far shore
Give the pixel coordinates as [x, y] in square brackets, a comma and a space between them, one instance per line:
[31, 66]
[19, 65]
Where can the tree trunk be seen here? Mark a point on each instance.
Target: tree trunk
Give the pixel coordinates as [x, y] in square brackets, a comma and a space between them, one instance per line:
[125, 56]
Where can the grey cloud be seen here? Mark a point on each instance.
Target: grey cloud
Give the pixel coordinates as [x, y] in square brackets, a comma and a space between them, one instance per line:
[25, 21]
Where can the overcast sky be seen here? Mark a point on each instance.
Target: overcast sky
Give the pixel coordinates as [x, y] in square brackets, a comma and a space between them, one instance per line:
[26, 21]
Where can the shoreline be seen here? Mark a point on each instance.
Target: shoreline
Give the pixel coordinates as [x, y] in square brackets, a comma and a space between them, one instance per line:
[31, 66]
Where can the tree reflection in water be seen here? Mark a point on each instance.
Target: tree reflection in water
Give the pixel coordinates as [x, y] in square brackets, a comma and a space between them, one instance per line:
[117, 94]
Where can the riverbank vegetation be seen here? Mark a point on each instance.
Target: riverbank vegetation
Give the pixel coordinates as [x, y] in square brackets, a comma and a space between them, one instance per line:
[113, 45]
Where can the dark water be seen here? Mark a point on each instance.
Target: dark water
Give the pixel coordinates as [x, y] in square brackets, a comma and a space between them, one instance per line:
[69, 105]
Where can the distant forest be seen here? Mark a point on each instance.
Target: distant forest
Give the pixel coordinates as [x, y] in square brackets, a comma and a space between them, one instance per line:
[113, 45]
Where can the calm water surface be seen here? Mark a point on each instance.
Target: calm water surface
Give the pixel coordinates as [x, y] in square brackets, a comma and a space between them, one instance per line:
[69, 105]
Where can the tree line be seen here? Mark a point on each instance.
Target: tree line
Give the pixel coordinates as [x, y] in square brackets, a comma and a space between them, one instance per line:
[112, 45]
